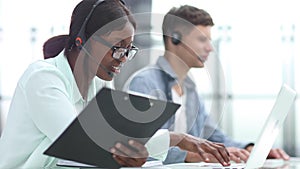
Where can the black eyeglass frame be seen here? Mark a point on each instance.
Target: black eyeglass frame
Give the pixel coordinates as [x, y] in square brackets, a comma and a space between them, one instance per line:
[125, 51]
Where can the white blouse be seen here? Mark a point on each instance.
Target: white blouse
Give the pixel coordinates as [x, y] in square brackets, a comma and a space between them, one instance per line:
[45, 102]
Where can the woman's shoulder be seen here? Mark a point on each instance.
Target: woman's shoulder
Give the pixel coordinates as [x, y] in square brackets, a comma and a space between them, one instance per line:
[41, 70]
[40, 66]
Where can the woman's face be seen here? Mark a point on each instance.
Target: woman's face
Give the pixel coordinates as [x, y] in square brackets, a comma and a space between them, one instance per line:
[107, 66]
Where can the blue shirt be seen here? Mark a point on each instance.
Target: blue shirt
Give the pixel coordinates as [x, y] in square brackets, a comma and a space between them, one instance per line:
[157, 80]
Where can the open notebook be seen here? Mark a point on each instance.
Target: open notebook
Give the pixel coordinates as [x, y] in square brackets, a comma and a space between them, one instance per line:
[267, 136]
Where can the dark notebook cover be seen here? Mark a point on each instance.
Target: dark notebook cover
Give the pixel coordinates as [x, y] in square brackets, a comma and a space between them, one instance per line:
[112, 116]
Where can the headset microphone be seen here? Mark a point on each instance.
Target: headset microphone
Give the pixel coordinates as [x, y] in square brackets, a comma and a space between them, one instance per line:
[199, 57]
[106, 70]
[176, 40]
[109, 73]
[192, 52]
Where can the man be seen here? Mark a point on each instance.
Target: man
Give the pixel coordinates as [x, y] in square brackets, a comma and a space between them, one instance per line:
[187, 40]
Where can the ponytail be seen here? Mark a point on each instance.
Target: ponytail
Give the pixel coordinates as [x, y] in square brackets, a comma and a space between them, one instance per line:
[53, 46]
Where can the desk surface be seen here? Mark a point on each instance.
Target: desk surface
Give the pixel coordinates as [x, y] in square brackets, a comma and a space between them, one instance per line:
[294, 163]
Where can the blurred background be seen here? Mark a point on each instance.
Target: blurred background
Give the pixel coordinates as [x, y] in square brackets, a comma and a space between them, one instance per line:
[255, 52]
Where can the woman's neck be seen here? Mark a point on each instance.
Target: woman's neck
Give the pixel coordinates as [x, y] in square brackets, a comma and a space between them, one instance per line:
[80, 73]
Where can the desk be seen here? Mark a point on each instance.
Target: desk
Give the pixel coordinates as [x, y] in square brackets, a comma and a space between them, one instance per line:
[294, 163]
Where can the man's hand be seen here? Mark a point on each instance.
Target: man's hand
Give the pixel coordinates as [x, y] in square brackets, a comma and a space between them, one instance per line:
[133, 156]
[208, 151]
[278, 154]
[192, 157]
[275, 153]
[238, 155]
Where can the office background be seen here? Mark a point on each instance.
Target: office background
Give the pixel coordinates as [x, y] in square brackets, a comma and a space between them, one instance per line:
[256, 45]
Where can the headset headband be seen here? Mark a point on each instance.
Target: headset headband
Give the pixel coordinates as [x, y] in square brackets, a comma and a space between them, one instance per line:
[81, 39]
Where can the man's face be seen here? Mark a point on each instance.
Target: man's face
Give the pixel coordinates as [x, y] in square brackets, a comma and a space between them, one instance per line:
[196, 46]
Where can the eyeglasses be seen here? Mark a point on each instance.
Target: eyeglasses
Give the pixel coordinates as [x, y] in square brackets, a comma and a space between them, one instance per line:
[118, 52]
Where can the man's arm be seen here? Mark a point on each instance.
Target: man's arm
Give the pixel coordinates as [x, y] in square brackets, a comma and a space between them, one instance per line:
[211, 130]
[208, 151]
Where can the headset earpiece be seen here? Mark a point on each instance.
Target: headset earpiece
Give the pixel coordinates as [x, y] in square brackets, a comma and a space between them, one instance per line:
[81, 38]
[78, 41]
[176, 38]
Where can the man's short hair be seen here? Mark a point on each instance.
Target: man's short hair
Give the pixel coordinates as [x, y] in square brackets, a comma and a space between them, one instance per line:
[184, 19]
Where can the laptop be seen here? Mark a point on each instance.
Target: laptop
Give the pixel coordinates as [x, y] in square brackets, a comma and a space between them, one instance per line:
[266, 139]
[112, 116]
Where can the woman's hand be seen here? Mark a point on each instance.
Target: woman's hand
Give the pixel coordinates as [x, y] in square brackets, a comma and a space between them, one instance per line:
[208, 151]
[133, 155]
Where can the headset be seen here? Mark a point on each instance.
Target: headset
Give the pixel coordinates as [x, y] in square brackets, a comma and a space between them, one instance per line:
[81, 38]
[176, 38]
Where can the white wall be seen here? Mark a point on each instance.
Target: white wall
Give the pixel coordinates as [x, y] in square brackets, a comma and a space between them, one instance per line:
[18, 49]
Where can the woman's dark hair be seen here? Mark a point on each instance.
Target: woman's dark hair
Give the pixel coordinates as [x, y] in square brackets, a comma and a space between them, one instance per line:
[104, 13]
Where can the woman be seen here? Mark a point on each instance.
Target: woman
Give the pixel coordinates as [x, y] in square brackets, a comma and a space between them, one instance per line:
[51, 93]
